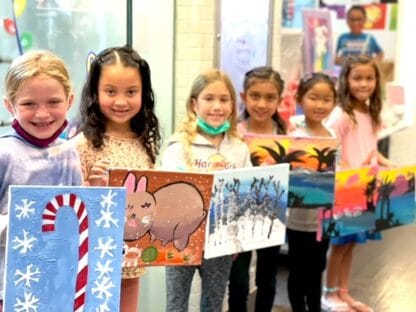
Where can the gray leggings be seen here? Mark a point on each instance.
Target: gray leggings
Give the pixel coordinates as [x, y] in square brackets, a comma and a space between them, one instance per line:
[214, 275]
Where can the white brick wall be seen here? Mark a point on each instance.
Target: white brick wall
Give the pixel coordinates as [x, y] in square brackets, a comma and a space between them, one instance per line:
[194, 47]
[195, 52]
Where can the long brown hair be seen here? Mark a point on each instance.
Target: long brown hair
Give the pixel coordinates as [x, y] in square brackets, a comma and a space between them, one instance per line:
[346, 99]
[261, 74]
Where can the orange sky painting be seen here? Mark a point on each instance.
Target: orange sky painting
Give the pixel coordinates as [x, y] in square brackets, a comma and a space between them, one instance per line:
[290, 144]
[350, 186]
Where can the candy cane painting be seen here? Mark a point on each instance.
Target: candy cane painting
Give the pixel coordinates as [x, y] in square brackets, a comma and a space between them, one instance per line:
[66, 241]
[48, 225]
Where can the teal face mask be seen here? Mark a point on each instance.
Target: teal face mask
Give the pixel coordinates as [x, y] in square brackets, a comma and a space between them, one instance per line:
[208, 129]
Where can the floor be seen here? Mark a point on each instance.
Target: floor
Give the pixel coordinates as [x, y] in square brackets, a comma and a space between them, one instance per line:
[383, 273]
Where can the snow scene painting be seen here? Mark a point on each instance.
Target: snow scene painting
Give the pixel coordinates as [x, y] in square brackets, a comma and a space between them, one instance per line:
[247, 211]
[394, 197]
[165, 216]
[64, 249]
[312, 161]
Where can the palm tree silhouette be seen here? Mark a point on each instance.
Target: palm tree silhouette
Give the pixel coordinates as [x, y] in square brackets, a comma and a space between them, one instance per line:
[255, 159]
[384, 192]
[369, 193]
[325, 156]
[280, 156]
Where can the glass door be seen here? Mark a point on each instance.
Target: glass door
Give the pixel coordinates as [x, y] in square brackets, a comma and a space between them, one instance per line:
[70, 28]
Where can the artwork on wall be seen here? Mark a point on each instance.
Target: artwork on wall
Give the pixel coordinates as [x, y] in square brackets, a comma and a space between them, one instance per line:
[165, 216]
[66, 241]
[376, 16]
[312, 161]
[291, 12]
[243, 39]
[318, 49]
[247, 210]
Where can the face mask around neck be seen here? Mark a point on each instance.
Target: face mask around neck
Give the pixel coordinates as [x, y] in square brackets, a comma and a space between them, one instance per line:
[208, 129]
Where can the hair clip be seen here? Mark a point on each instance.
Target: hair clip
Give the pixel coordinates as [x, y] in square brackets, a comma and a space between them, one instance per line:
[307, 76]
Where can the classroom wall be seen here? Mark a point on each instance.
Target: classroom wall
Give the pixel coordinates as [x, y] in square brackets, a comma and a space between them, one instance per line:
[196, 45]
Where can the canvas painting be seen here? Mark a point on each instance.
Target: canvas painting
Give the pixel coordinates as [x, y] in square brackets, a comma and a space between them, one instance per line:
[318, 49]
[165, 216]
[354, 209]
[247, 211]
[64, 249]
[395, 197]
[312, 161]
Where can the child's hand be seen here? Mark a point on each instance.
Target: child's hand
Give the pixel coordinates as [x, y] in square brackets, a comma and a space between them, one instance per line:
[98, 175]
[368, 161]
[383, 161]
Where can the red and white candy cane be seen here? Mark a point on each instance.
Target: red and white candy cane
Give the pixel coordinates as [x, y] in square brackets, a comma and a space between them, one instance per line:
[48, 225]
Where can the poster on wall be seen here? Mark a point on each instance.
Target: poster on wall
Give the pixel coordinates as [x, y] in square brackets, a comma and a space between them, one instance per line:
[64, 249]
[247, 211]
[376, 16]
[291, 12]
[165, 216]
[244, 39]
[318, 51]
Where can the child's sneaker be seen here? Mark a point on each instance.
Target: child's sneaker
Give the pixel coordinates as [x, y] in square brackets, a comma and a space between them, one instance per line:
[333, 304]
[354, 304]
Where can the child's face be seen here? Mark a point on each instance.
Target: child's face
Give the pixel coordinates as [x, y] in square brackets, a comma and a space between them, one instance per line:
[362, 81]
[262, 100]
[119, 96]
[356, 21]
[40, 106]
[214, 104]
[318, 102]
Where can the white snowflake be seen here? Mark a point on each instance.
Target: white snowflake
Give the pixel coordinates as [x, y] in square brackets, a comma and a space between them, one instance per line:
[104, 269]
[25, 243]
[28, 276]
[103, 288]
[107, 201]
[28, 304]
[107, 219]
[25, 210]
[106, 247]
[103, 308]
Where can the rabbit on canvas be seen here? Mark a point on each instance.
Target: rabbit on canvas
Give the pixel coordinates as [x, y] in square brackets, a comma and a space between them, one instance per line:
[157, 212]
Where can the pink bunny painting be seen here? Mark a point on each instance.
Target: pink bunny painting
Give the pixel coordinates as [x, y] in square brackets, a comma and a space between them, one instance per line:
[165, 214]
[155, 213]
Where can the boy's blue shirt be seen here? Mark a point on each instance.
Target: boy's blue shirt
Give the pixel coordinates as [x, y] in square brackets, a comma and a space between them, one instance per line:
[351, 44]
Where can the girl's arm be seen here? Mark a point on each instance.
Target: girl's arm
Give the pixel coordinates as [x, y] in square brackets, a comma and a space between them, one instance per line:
[383, 161]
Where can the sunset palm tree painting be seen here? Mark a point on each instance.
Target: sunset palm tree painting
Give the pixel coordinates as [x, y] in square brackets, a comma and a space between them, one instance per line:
[354, 190]
[395, 198]
[315, 153]
[312, 162]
